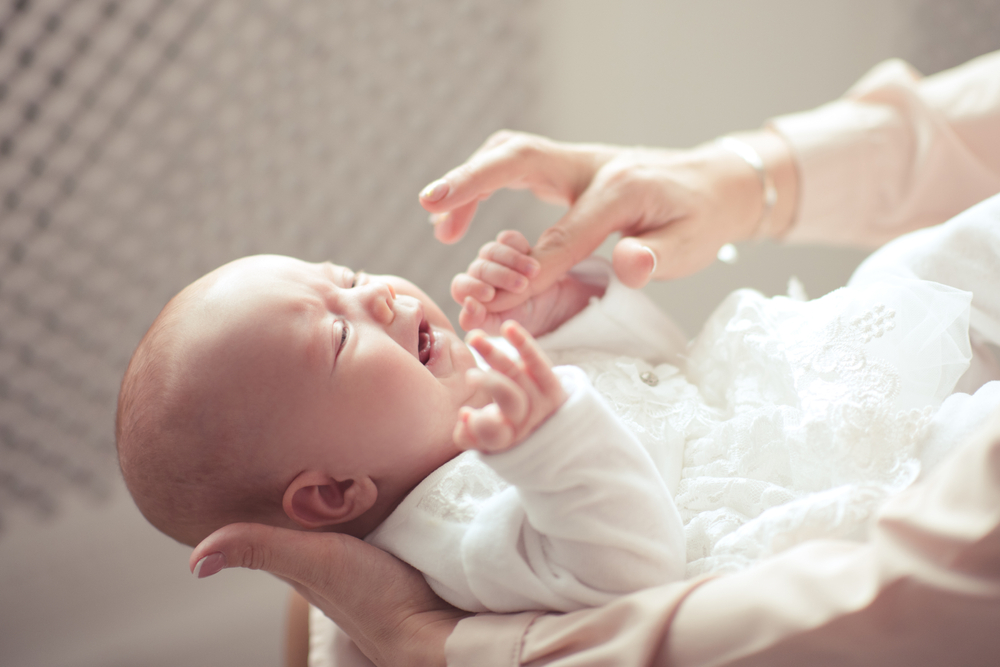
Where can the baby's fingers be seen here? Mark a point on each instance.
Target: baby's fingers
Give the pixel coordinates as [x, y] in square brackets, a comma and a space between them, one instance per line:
[509, 398]
[484, 430]
[464, 286]
[514, 239]
[510, 257]
[535, 362]
[497, 360]
[497, 275]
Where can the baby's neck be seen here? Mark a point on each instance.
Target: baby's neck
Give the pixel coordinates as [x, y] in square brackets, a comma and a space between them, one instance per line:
[392, 493]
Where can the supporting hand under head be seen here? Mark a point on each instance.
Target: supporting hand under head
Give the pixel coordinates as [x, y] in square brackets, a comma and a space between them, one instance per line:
[674, 208]
[385, 605]
[525, 393]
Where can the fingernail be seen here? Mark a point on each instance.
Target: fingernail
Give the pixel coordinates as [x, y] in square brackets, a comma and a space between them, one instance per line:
[437, 218]
[436, 191]
[209, 565]
[653, 255]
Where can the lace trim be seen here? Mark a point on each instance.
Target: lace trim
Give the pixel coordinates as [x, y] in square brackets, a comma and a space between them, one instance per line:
[458, 494]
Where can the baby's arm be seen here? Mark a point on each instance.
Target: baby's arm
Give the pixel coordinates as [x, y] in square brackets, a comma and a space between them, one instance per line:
[506, 265]
[588, 516]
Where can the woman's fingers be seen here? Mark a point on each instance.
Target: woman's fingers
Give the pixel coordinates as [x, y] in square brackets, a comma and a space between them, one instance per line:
[634, 262]
[598, 212]
[289, 554]
[450, 226]
[385, 605]
[682, 247]
[497, 165]
[555, 172]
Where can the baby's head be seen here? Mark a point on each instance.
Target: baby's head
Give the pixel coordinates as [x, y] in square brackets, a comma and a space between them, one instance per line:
[294, 394]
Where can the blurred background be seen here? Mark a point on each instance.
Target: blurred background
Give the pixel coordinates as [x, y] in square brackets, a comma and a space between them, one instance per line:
[145, 142]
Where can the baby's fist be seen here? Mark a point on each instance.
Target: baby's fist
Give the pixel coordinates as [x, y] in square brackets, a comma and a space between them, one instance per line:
[502, 265]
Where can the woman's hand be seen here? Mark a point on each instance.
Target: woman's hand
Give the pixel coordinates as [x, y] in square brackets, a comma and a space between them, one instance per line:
[674, 209]
[383, 604]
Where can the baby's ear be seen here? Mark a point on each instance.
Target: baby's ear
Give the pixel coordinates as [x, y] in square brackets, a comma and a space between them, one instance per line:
[315, 500]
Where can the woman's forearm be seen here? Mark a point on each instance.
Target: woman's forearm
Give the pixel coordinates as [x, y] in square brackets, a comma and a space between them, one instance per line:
[897, 153]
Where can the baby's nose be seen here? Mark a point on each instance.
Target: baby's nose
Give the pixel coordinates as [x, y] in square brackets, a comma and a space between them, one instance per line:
[378, 298]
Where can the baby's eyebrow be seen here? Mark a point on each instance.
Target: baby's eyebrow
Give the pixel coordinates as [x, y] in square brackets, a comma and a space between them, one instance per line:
[339, 275]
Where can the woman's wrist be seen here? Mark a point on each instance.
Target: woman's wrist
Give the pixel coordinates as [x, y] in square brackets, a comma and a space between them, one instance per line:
[782, 171]
[425, 646]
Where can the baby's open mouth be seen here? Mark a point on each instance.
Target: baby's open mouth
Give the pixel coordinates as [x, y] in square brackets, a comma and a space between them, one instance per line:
[425, 339]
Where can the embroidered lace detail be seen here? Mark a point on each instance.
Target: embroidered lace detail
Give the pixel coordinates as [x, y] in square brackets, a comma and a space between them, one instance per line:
[455, 497]
[788, 421]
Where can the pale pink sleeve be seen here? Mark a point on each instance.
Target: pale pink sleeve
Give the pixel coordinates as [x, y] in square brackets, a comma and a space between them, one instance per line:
[898, 152]
[924, 590]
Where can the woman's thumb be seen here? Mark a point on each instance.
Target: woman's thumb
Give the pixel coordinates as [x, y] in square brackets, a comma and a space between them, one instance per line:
[289, 554]
[634, 262]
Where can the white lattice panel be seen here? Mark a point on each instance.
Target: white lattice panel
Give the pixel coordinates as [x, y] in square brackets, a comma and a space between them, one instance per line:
[145, 142]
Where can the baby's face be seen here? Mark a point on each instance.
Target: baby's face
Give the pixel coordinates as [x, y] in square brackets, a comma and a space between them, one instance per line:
[364, 371]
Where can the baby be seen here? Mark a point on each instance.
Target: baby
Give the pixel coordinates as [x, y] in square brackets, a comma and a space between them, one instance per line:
[307, 396]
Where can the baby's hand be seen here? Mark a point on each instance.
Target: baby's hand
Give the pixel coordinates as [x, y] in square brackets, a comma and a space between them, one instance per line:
[525, 393]
[502, 265]
[506, 266]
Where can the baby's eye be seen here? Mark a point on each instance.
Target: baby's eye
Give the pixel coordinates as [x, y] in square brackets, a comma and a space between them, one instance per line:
[341, 336]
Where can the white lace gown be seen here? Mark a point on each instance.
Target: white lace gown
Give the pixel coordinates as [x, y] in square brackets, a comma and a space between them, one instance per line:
[796, 418]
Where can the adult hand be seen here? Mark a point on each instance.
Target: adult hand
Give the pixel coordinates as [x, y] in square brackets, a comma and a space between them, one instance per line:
[674, 209]
[383, 604]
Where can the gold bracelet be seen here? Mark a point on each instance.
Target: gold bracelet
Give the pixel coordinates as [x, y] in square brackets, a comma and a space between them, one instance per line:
[770, 193]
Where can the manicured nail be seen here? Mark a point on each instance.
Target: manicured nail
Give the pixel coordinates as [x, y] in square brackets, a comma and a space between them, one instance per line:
[437, 218]
[653, 255]
[436, 191]
[209, 565]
